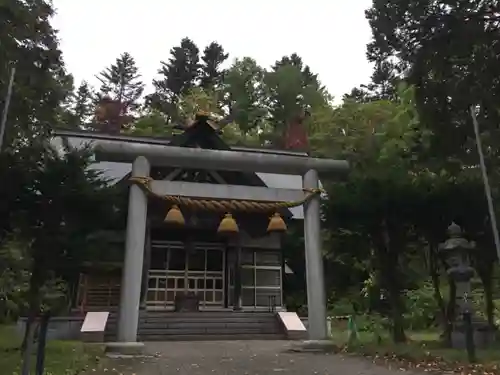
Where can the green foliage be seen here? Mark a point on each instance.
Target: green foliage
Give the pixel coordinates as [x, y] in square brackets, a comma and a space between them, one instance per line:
[78, 109]
[290, 89]
[244, 89]
[55, 203]
[121, 82]
[407, 135]
[421, 308]
[198, 100]
[153, 124]
[449, 51]
[14, 279]
[178, 76]
[41, 83]
[62, 357]
[211, 73]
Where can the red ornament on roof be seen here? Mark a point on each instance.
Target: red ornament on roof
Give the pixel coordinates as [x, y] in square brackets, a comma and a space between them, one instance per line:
[111, 115]
[296, 134]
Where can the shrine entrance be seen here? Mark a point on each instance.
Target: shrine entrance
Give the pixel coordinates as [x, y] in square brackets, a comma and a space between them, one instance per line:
[178, 268]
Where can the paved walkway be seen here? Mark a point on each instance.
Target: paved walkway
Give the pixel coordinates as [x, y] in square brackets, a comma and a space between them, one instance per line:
[240, 358]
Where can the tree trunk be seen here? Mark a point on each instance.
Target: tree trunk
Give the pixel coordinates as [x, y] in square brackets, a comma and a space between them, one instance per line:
[436, 284]
[28, 349]
[42, 339]
[36, 281]
[30, 322]
[398, 333]
[389, 266]
[33, 310]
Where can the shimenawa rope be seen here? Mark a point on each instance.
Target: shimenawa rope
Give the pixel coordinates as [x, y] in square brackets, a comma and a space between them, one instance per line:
[223, 205]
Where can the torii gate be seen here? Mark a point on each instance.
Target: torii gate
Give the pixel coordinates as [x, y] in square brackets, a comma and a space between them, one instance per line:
[143, 155]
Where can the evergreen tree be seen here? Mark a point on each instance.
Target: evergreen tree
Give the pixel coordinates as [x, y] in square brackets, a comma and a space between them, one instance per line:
[80, 108]
[211, 72]
[83, 102]
[41, 84]
[177, 77]
[292, 91]
[121, 83]
[245, 93]
[450, 51]
[295, 60]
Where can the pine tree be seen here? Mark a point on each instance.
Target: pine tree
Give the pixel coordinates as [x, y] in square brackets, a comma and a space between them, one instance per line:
[178, 76]
[296, 61]
[450, 52]
[245, 93]
[121, 83]
[211, 72]
[83, 104]
[292, 91]
[77, 110]
[41, 83]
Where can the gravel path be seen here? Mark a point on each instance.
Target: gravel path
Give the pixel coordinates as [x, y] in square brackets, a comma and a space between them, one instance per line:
[240, 358]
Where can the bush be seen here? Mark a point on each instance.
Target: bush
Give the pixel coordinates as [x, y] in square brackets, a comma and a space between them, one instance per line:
[13, 280]
[421, 307]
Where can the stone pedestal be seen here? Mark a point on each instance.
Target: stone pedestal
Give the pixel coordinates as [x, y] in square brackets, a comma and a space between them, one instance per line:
[484, 335]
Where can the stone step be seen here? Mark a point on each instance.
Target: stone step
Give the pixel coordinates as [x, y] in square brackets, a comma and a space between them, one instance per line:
[223, 325]
[197, 314]
[214, 337]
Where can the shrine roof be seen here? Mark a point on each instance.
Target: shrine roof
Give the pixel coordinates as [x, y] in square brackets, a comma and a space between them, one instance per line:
[82, 134]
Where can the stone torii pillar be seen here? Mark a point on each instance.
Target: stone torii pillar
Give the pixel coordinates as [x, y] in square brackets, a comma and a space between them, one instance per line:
[316, 295]
[128, 314]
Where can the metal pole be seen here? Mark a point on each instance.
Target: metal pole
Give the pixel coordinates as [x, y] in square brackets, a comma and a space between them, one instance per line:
[487, 188]
[3, 123]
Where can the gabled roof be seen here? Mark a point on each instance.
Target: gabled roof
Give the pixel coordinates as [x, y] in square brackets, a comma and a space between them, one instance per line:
[198, 135]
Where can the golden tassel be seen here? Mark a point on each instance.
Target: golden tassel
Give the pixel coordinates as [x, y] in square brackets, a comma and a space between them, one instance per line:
[174, 216]
[228, 225]
[276, 224]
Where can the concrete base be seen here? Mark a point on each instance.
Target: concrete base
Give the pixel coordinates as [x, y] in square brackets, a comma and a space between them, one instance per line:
[94, 337]
[60, 327]
[315, 346]
[126, 349]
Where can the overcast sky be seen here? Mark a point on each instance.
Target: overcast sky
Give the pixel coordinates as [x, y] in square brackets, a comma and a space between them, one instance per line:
[330, 35]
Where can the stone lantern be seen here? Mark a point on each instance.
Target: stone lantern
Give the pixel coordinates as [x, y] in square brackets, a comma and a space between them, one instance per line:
[456, 251]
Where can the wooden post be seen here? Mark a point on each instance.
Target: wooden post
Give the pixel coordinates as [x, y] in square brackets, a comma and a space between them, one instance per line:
[226, 276]
[237, 278]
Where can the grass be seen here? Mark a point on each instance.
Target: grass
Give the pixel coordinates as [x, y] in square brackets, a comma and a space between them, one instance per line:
[62, 357]
[424, 350]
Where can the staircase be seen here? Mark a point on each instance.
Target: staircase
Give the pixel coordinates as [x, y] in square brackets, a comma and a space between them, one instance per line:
[206, 325]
